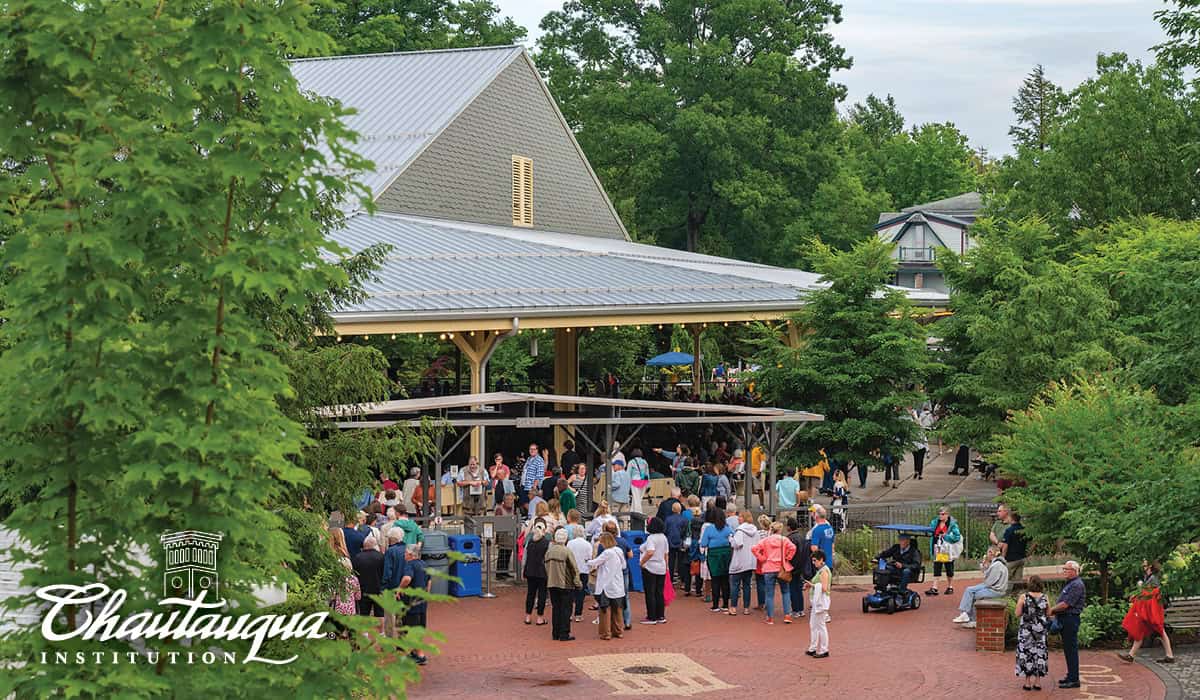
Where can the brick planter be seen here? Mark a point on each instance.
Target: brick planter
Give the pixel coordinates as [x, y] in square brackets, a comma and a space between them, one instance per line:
[991, 616]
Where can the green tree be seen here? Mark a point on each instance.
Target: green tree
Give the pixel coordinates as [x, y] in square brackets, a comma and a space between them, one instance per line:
[928, 162]
[1118, 150]
[1182, 24]
[163, 185]
[878, 119]
[861, 356]
[1149, 268]
[1104, 465]
[1037, 106]
[710, 123]
[1021, 320]
[376, 26]
[844, 213]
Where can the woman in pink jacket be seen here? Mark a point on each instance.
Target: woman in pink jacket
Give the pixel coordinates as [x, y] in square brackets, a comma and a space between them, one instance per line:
[774, 555]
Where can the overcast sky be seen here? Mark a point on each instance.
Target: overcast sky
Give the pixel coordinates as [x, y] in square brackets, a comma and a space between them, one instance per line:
[962, 60]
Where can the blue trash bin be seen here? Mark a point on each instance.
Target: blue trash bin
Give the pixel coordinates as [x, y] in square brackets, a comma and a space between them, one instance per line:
[635, 539]
[469, 570]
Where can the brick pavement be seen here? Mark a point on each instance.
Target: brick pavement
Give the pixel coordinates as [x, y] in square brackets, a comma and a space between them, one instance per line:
[488, 652]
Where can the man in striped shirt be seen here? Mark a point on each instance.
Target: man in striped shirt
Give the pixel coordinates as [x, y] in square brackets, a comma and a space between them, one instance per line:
[533, 473]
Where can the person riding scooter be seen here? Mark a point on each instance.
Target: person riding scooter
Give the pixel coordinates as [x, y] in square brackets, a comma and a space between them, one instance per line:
[903, 560]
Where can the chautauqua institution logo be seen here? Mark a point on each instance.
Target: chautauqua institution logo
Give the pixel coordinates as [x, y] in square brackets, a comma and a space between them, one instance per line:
[189, 581]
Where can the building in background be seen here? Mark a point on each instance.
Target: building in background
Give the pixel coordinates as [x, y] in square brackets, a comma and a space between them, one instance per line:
[920, 232]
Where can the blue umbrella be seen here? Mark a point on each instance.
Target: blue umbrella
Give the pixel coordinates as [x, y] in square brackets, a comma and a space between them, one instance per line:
[670, 359]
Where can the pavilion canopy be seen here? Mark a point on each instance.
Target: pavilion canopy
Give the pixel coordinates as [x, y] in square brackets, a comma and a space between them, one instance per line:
[671, 359]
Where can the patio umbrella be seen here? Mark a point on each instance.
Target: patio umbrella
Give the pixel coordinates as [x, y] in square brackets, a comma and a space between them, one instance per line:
[671, 359]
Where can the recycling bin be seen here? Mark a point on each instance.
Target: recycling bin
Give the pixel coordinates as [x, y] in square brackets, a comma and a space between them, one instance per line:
[635, 539]
[468, 570]
[437, 563]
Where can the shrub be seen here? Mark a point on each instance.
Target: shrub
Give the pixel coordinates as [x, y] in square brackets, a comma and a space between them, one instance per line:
[1101, 622]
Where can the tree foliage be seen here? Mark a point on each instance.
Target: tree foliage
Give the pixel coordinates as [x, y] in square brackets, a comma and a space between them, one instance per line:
[1149, 268]
[928, 162]
[1108, 470]
[163, 186]
[1119, 149]
[878, 119]
[860, 358]
[376, 26]
[710, 123]
[1037, 106]
[1021, 320]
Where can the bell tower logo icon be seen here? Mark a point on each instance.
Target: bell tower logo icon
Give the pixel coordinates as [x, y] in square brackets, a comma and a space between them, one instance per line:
[191, 559]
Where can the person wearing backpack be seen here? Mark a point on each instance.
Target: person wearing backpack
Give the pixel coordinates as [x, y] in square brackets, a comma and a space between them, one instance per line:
[639, 479]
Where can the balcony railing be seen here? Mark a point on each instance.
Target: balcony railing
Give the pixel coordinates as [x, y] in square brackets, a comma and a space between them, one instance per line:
[917, 254]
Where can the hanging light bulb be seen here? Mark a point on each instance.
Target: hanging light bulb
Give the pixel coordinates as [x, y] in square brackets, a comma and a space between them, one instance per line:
[393, 336]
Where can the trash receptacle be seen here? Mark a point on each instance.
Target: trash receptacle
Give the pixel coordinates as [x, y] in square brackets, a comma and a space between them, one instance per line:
[635, 539]
[433, 553]
[468, 570]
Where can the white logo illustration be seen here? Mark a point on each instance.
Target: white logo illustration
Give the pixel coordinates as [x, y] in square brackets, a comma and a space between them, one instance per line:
[191, 559]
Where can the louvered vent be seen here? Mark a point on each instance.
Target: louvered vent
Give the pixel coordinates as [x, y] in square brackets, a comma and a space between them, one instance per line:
[522, 191]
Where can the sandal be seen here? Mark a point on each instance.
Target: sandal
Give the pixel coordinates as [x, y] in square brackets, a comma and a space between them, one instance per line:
[931, 591]
[949, 590]
[528, 622]
[540, 623]
[1166, 660]
[1126, 657]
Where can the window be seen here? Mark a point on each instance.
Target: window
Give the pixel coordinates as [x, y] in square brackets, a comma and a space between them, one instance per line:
[522, 191]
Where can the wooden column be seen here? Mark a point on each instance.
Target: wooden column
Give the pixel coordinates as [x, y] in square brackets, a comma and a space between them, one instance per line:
[566, 376]
[477, 347]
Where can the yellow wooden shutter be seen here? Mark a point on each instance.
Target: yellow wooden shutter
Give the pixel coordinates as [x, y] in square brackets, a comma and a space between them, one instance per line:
[522, 191]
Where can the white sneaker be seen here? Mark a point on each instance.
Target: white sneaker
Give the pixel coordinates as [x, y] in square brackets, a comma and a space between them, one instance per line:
[962, 617]
[969, 626]
[828, 619]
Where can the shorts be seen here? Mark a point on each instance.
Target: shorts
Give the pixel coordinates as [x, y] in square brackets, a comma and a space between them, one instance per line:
[939, 565]
[414, 619]
[369, 607]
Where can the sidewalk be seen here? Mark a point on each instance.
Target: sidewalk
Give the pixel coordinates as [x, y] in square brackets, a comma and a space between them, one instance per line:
[938, 484]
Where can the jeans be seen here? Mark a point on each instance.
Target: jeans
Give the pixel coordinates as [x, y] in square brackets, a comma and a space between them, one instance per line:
[581, 594]
[769, 580]
[627, 613]
[739, 581]
[862, 476]
[891, 472]
[760, 590]
[652, 585]
[1070, 642]
[720, 592]
[978, 592]
[680, 564]
[796, 593]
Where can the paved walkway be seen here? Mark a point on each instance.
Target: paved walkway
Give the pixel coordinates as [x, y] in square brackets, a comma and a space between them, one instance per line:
[938, 484]
[1181, 678]
[489, 653]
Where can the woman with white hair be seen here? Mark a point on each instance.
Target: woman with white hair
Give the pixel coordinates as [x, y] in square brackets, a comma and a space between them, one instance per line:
[562, 578]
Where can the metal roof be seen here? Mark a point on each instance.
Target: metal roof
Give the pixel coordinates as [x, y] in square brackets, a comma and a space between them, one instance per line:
[403, 100]
[446, 269]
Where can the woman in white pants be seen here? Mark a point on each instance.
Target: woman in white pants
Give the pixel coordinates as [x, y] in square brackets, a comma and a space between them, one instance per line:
[818, 632]
[639, 479]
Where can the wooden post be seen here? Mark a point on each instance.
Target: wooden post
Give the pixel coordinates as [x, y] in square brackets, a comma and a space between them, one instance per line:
[566, 376]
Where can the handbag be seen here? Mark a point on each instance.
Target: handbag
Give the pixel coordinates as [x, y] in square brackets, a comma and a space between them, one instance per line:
[784, 574]
[941, 552]
[694, 568]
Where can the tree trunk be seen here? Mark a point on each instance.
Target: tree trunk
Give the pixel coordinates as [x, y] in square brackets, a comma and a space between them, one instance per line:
[695, 219]
[1104, 580]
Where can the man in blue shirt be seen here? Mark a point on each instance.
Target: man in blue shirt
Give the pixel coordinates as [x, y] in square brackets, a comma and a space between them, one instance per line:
[1067, 611]
[393, 572]
[822, 535]
[533, 472]
[787, 490]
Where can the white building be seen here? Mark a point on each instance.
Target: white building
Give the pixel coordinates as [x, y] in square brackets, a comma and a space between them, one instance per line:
[919, 232]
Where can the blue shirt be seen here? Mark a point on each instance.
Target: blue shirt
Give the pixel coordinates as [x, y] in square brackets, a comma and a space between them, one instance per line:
[715, 537]
[620, 486]
[786, 489]
[1073, 595]
[354, 541]
[533, 472]
[393, 567]
[415, 569]
[676, 528]
[708, 485]
[822, 537]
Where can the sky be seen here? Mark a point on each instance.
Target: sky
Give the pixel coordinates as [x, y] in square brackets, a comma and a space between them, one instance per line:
[963, 60]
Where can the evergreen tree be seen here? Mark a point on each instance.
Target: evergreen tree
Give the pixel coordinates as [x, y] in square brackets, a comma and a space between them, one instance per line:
[1038, 106]
[879, 119]
[861, 354]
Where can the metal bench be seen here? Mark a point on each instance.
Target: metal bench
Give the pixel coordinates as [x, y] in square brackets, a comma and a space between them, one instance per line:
[1184, 613]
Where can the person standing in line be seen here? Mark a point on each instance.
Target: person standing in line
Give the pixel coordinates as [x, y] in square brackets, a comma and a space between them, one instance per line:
[654, 572]
[696, 564]
[1066, 610]
[368, 566]
[676, 529]
[741, 562]
[535, 573]
[566, 496]
[582, 550]
[415, 578]
[801, 566]
[570, 458]
[608, 566]
[582, 487]
[1032, 655]
[818, 603]
[822, 535]
[473, 486]
[639, 479]
[393, 572]
[345, 600]
[562, 578]
[714, 545]
[760, 583]
[1145, 617]
[774, 556]
[620, 490]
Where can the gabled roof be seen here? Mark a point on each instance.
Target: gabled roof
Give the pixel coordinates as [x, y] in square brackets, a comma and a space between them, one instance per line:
[441, 270]
[959, 210]
[888, 218]
[403, 100]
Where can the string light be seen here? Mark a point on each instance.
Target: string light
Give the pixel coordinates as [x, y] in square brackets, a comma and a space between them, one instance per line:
[420, 335]
[366, 337]
[393, 336]
[339, 338]
[451, 335]
[472, 334]
[592, 328]
[568, 329]
[442, 336]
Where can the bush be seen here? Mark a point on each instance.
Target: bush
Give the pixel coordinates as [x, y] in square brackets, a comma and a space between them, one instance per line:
[856, 548]
[1101, 622]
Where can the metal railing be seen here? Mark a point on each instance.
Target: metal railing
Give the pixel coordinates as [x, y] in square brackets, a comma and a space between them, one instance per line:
[917, 254]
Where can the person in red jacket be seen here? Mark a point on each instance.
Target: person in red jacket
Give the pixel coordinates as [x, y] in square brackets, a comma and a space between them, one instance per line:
[1145, 616]
[774, 555]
